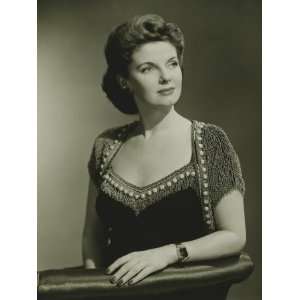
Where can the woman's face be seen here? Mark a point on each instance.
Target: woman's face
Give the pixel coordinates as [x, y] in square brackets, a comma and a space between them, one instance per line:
[155, 76]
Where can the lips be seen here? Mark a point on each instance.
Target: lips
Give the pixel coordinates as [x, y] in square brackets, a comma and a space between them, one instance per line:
[167, 91]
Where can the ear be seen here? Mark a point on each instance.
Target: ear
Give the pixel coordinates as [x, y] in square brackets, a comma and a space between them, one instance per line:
[122, 82]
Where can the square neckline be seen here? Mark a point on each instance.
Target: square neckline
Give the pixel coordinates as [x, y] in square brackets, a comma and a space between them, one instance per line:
[157, 182]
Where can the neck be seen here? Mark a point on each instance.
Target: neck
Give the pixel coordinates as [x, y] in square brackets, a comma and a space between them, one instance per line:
[158, 121]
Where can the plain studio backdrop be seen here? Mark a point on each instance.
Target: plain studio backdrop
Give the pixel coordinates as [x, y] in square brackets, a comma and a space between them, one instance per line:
[222, 85]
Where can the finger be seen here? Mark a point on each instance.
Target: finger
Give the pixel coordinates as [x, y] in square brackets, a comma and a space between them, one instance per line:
[133, 271]
[122, 271]
[117, 263]
[141, 275]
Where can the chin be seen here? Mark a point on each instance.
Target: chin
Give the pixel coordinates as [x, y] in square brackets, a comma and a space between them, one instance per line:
[166, 102]
[163, 101]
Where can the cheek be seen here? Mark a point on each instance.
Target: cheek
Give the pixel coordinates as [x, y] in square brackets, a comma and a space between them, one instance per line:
[178, 82]
[146, 86]
[178, 77]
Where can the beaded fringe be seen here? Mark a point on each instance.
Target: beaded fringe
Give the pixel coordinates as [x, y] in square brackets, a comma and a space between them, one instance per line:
[139, 199]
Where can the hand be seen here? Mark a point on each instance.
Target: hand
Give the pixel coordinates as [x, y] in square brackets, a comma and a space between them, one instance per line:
[134, 267]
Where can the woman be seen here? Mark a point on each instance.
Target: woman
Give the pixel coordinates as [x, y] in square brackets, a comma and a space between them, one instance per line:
[166, 189]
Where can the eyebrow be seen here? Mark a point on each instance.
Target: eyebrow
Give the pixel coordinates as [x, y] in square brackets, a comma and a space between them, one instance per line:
[151, 63]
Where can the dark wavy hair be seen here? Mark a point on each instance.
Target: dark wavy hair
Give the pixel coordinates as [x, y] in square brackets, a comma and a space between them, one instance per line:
[122, 42]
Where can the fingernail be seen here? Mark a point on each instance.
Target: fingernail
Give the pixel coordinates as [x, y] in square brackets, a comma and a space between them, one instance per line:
[119, 283]
[113, 280]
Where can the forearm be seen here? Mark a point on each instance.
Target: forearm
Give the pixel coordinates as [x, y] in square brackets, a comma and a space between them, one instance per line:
[213, 246]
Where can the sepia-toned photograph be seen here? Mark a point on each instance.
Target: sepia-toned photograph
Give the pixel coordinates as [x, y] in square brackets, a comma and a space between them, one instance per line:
[149, 150]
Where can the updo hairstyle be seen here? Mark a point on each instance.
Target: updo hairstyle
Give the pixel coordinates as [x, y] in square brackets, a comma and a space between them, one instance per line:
[122, 42]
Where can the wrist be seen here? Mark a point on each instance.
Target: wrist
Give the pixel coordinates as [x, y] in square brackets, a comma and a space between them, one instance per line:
[171, 253]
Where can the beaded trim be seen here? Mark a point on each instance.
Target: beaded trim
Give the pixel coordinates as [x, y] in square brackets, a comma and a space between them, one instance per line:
[139, 198]
[192, 175]
[203, 184]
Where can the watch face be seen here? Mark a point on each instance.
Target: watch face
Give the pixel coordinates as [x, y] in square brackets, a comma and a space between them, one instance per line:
[183, 252]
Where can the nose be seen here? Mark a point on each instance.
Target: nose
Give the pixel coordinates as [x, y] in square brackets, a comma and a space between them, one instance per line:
[164, 76]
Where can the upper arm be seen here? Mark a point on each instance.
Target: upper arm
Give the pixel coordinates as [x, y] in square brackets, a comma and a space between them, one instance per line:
[225, 174]
[92, 222]
[92, 226]
[230, 216]
[93, 238]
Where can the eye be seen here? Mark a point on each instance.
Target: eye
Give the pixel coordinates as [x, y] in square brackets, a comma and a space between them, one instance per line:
[146, 69]
[173, 64]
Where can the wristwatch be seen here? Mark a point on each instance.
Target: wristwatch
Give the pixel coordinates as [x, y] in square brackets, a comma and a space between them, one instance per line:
[182, 252]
